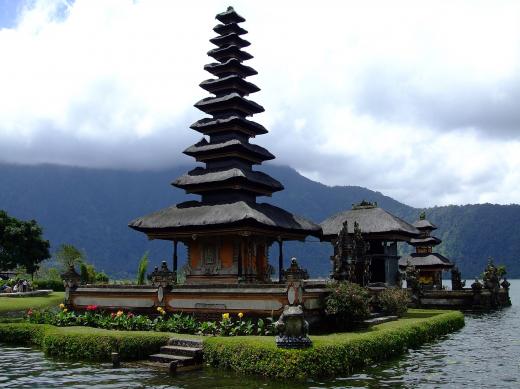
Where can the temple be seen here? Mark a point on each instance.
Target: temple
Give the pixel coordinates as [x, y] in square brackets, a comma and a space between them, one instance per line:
[227, 233]
[430, 265]
[382, 231]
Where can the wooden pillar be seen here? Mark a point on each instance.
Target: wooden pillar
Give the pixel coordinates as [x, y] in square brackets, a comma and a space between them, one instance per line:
[175, 257]
[280, 260]
[239, 259]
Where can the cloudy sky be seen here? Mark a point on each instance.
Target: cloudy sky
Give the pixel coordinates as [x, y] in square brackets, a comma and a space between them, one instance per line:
[416, 99]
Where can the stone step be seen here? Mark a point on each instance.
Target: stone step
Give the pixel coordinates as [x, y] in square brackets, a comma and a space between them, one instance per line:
[195, 352]
[180, 359]
[379, 320]
[197, 343]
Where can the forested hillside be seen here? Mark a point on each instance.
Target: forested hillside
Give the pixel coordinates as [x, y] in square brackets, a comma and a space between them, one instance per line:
[91, 208]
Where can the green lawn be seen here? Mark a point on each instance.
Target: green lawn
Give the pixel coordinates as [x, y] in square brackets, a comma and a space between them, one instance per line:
[16, 304]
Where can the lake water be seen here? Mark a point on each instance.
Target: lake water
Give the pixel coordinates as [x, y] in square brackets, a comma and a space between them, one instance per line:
[485, 353]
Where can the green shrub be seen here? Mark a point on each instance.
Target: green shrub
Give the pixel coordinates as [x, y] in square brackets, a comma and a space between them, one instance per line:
[347, 302]
[331, 355]
[84, 343]
[55, 285]
[394, 301]
[101, 278]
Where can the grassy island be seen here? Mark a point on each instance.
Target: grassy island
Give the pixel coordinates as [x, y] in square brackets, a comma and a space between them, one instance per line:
[333, 354]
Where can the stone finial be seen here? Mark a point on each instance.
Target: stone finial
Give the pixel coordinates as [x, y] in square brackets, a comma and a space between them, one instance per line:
[71, 279]
[295, 272]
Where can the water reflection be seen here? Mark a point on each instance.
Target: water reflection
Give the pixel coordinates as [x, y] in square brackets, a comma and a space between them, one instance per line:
[485, 353]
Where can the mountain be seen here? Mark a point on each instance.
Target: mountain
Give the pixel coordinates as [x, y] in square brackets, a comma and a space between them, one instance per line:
[91, 208]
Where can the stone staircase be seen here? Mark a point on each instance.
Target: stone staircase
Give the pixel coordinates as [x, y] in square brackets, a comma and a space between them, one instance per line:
[179, 355]
[378, 318]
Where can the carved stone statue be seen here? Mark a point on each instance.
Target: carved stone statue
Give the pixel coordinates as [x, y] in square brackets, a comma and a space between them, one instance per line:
[350, 260]
[491, 281]
[412, 282]
[456, 279]
[292, 328]
[71, 280]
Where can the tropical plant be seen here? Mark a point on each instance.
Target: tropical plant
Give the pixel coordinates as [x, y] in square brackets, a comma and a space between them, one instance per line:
[141, 269]
[394, 301]
[68, 255]
[348, 302]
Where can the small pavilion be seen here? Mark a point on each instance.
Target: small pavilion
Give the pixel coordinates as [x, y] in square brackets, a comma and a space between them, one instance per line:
[381, 230]
[227, 233]
[430, 265]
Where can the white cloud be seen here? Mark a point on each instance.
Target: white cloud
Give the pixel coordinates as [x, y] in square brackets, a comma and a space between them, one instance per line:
[417, 100]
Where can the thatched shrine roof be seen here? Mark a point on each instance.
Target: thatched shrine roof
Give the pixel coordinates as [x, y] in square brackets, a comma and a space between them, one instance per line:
[373, 221]
[427, 260]
[427, 241]
[194, 216]
[203, 148]
[200, 176]
[424, 224]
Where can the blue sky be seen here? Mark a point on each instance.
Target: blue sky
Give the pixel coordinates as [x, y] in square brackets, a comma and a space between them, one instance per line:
[418, 100]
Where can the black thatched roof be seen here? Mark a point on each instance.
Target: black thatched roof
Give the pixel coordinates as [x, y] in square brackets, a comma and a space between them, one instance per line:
[428, 241]
[200, 176]
[204, 148]
[230, 102]
[231, 66]
[228, 52]
[372, 221]
[224, 29]
[229, 39]
[231, 83]
[433, 260]
[229, 16]
[424, 224]
[194, 215]
[231, 123]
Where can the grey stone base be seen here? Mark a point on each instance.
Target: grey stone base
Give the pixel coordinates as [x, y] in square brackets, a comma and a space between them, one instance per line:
[293, 342]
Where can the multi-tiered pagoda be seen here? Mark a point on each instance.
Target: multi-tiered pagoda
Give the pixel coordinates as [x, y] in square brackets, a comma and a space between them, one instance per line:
[429, 264]
[227, 233]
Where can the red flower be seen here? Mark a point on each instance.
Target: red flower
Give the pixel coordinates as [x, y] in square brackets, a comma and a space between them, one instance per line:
[29, 312]
[130, 315]
[112, 315]
[91, 307]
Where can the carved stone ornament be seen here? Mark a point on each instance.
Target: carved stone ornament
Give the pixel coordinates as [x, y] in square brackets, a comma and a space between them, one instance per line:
[71, 279]
[295, 272]
[163, 277]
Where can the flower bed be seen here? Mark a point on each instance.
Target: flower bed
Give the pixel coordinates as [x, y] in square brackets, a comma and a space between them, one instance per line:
[127, 321]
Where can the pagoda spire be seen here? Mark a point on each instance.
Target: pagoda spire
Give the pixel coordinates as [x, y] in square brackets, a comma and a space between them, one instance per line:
[228, 155]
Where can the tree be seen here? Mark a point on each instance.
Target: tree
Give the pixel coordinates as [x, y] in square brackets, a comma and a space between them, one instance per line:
[21, 243]
[68, 256]
[141, 269]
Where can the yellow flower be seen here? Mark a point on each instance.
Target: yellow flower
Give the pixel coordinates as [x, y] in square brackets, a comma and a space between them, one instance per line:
[65, 310]
[240, 315]
[62, 306]
[119, 313]
[225, 316]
